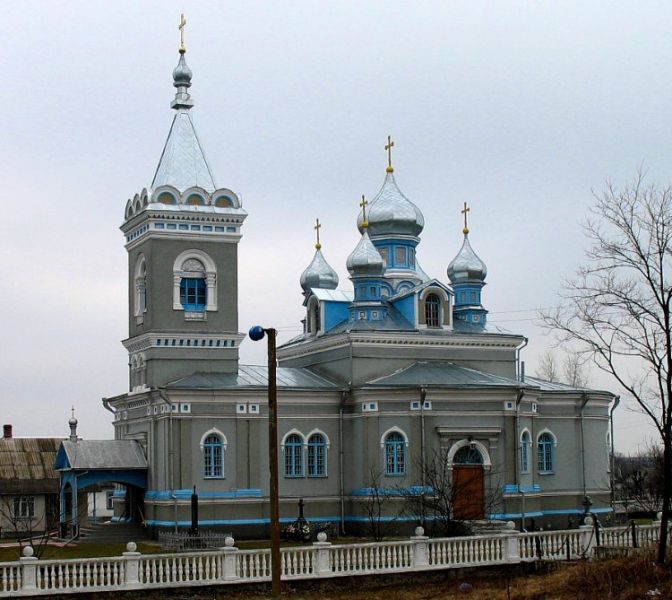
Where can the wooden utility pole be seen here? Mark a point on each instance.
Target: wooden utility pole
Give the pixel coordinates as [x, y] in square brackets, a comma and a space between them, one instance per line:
[273, 462]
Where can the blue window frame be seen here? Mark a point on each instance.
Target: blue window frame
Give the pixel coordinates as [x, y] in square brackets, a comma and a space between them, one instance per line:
[432, 310]
[192, 293]
[213, 456]
[317, 456]
[525, 453]
[545, 445]
[395, 454]
[294, 456]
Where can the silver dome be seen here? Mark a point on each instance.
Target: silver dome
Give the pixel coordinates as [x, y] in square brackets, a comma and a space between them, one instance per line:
[182, 73]
[319, 274]
[391, 213]
[466, 266]
[365, 260]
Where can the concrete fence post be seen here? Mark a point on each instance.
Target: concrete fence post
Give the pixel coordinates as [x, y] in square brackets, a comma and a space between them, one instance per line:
[29, 568]
[420, 549]
[322, 555]
[511, 548]
[132, 567]
[588, 536]
[230, 571]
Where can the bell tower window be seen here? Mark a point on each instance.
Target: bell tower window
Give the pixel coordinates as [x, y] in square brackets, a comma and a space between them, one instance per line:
[140, 285]
[194, 284]
[192, 293]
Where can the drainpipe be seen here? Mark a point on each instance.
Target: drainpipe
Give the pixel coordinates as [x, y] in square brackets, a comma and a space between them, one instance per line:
[171, 456]
[516, 461]
[617, 399]
[521, 374]
[584, 401]
[344, 396]
[423, 448]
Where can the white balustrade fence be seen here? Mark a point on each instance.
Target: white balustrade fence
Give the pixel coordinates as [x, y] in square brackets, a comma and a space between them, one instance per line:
[133, 570]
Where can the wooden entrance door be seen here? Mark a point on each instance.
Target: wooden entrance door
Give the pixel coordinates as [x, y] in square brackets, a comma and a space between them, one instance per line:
[469, 492]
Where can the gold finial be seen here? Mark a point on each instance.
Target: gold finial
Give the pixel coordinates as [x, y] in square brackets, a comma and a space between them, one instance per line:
[183, 22]
[464, 211]
[364, 203]
[388, 147]
[317, 229]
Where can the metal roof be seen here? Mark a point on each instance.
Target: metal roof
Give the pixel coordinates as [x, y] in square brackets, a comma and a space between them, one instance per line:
[183, 162]
[443, 374]
[102, 454]
[556, 386]
[27, 465]
[333, 295]
[253, 376]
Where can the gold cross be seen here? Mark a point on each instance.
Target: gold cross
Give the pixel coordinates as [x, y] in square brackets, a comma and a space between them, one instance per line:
[364, 204]
[183, 22]
[464, 211]
[317, 228]
[388, 147]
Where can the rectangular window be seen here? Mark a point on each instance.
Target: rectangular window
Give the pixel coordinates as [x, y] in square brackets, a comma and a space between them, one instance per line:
[183, 227]
[374, 291]
[384, 254]
[24, 507]
[400, 255]
[108, 499]
[411, 257]
[192, 293]
[472, 297]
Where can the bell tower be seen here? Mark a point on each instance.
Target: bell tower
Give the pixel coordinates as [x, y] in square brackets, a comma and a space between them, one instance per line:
[182, 239]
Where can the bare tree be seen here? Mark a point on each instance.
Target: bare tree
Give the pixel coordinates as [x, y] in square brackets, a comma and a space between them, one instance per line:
[449, 503]
[617, 309]
[380, 505]
[28, 528]
[548, 367]
[639, 480]
[574, 369]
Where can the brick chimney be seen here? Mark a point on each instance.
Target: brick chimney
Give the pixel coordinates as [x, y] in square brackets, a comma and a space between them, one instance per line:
[7, 431]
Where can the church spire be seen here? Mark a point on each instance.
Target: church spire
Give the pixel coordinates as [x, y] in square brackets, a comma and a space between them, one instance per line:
[183, 163]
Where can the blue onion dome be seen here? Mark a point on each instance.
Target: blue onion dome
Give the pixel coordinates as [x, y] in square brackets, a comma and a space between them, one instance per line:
[182, 73]
[466, 266]
[365, 260]
[391, 213]
[319, 274]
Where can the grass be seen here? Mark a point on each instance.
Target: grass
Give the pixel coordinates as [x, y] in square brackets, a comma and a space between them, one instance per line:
[79, 551]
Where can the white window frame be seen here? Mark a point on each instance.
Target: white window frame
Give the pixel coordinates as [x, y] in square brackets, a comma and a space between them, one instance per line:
[210, 274]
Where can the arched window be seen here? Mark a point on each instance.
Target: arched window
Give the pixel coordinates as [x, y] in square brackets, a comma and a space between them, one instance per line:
[525, 452]
[140, 281]
[432, 310]
[468, 456]
[293, 455]
[194, 284]
[213, 456]
[395, 454]
[545, 444]
[317, 455]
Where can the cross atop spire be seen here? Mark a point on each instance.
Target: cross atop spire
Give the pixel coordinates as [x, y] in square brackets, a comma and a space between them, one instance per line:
[183, 22]
[464, 211]
[364, 203]
[388, 147]
[317, 229]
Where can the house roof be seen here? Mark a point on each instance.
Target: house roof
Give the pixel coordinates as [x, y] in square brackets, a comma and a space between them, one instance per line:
[254, 376]
[442, 374]
[100, 454]
[27, 465]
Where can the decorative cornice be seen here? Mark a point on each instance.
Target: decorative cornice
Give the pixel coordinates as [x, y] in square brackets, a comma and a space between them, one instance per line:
[156, 340]
[449, 340]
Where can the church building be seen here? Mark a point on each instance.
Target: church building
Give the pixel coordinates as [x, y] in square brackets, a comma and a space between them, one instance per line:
[394, 369]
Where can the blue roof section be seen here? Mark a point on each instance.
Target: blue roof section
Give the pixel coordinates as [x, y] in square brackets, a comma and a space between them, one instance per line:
[442, 374]
[253, 376]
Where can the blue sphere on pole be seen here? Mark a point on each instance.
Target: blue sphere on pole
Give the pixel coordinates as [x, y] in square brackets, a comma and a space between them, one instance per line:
[256, 333]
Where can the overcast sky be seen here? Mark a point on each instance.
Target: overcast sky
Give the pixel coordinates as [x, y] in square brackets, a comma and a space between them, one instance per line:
[519, 108]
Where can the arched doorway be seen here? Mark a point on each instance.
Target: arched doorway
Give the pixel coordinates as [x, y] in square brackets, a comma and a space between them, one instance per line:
[468, 484]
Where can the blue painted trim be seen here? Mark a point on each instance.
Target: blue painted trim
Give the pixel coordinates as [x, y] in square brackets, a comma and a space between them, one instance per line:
[548, 513]
[414, 490]
[512, 488]
[186, 494]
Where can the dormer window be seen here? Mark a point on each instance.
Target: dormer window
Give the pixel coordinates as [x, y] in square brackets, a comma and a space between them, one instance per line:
[432, 310]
